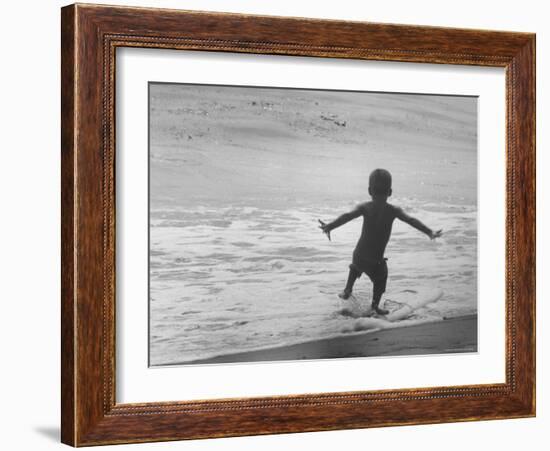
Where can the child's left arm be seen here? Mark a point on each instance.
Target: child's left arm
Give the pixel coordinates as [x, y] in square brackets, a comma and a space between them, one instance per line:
[341, 220]
[417, 224]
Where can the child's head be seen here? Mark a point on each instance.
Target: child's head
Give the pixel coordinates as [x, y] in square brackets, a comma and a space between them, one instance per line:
[380, 183]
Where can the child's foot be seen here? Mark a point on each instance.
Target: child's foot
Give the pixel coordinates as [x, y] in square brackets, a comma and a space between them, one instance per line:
[344, 294]
[380, 311]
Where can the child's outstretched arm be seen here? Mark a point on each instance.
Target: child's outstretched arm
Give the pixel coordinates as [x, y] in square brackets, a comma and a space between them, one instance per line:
[339, 221]
[417, 224]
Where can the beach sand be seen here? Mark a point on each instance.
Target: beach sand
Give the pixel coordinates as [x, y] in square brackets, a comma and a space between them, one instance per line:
[441, 337]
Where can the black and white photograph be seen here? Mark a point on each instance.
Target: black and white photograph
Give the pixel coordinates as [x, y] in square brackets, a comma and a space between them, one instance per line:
[289, 224]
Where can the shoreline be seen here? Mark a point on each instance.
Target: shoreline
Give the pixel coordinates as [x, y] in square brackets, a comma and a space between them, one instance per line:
[453, 335]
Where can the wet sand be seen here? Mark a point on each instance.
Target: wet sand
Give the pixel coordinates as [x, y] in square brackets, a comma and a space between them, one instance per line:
[441, 337]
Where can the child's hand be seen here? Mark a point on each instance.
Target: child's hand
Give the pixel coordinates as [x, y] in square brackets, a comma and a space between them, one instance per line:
[325, 229]
[434, 235]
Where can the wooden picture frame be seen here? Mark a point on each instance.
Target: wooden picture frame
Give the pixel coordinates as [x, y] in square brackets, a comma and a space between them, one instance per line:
[90, 35]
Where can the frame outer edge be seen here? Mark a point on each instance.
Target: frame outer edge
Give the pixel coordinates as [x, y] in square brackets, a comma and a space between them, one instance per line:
[68, 238]
[524, 63]
[534, 225]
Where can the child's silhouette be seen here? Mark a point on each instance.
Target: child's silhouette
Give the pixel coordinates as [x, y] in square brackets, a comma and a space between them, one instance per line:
[378, 216]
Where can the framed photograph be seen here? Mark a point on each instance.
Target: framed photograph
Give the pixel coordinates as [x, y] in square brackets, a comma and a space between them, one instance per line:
[278, 225]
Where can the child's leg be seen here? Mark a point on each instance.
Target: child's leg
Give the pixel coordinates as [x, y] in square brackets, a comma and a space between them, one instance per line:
[353, 275]
[379, 279]
[376, 297]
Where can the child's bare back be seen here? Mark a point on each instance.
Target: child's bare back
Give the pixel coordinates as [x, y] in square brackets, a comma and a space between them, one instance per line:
[378, 220]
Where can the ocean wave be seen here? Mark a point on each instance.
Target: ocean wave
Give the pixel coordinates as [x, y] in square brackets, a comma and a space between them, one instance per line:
[282, 285]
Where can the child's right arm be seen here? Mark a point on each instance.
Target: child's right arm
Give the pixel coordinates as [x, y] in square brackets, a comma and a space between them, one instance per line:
[339, 221]
[417, 224]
